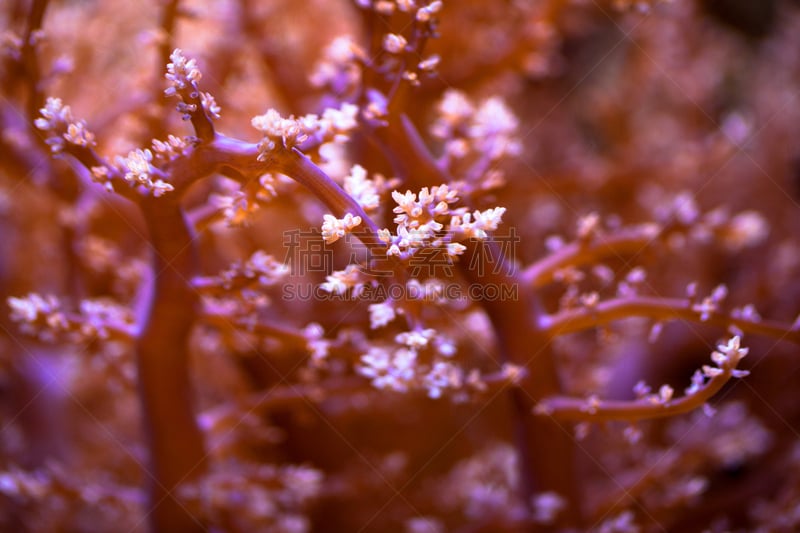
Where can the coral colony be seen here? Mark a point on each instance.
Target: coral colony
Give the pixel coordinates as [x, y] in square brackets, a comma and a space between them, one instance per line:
[400, 265]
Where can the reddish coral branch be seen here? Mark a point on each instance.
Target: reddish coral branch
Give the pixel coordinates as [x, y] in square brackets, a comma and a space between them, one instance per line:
[288, 335]
[659, 309]
[239, 160]
[628, 241]
[546, 448]
[593, 409]
[167, 21]
[30, 58]
[176, 444]
[300, 168]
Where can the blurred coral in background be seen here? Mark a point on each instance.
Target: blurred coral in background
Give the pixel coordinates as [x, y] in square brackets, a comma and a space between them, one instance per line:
[400, 265]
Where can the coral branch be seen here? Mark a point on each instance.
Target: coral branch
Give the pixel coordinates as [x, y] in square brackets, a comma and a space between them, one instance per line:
[300, 168]
[286, 334]
[545, 448]
[30, 57]
[628, 241]
[660, 405]
[176, 444]
[660, 309]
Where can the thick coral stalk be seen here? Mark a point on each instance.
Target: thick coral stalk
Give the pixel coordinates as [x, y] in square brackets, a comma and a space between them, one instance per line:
[176, 444]
[545, 446]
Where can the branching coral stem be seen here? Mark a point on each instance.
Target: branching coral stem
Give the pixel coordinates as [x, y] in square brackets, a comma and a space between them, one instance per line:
[627, 241]
[177, 451]
[300, 168]
[545, 447]
[659, 309]
[653, 405]
[588, 410]
[240, 158]
[292, 337]
[30, 58]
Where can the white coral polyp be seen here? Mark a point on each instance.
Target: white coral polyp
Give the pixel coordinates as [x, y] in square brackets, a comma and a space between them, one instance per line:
[393, 371]
[138, 171]
[334, 228]
[361, 188]
[381, 314]
[289, 132]
[483, 222]
[341, 281]
[280, 132]
[181, 72]
[56, 118]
